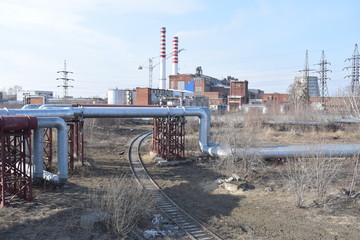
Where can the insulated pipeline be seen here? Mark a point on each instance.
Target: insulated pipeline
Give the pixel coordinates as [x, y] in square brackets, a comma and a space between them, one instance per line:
[206, 147]
[62, 139]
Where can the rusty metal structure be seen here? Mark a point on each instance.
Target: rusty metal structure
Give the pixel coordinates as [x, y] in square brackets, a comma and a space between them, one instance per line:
[75, 142]
[169, 137]
[15, 145]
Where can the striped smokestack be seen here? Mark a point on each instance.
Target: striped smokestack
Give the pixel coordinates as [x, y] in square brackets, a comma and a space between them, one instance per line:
[175, 51]
[162, 80]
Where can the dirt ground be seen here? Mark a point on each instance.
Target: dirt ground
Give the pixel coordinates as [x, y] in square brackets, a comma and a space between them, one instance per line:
[55, 212]
[252, 214]
[256, 213]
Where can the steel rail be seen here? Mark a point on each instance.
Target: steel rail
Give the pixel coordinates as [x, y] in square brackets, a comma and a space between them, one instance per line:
[192, 228]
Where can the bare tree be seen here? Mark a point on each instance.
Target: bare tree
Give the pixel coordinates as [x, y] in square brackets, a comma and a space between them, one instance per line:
[323, 172]
[239, 136]
[298, 176]
[304, 174]
[298, 95]
[352, 102]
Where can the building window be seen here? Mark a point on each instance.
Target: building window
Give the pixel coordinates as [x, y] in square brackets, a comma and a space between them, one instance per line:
[198, 90]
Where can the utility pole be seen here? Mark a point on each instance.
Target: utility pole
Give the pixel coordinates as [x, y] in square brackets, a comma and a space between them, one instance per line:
[65, 80]
[323, 77]
[355, 59]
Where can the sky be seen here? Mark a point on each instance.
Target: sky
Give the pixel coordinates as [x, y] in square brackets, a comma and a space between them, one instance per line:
[105, 41]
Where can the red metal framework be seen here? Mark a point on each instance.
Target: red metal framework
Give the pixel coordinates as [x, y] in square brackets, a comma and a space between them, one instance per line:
[48, 148]
[15, 145]
[169, 137]
[79, 140]
[76, 142]
[71, 154]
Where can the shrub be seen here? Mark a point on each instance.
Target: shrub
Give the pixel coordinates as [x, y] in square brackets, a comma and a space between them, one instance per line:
[239, 135]
[123, 202]
[313, 173]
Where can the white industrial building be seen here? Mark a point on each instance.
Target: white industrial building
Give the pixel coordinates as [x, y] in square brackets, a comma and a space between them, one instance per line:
[313, 85]
[21, 94]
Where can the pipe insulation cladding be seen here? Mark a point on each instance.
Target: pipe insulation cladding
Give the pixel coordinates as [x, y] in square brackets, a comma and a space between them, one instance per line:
[62, 152]
[204, 130]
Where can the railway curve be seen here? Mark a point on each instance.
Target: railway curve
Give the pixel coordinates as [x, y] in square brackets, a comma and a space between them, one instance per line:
[192, 228]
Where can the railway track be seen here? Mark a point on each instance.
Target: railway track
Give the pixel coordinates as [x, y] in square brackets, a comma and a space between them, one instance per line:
[188, 224]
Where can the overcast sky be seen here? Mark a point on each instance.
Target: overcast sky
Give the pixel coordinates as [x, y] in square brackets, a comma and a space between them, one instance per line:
[105, 41]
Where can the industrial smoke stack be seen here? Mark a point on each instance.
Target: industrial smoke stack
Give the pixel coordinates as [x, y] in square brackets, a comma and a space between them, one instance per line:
[162, 80]
[175, 51]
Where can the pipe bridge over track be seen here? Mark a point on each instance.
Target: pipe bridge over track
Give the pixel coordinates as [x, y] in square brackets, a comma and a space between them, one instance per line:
[56, 116]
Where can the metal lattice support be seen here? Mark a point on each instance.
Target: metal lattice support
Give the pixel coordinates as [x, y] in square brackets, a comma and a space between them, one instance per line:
[169, 137]
[48, 148]
[79, 140]
[155, 138]
[71, 143]
[15, 145]
[76, 142]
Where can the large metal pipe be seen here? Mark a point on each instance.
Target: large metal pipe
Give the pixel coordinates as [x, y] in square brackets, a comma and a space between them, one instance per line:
[66, 113]
[328, 150]
[38, 155]
[204, 130]
[62, 153]
[122, 112]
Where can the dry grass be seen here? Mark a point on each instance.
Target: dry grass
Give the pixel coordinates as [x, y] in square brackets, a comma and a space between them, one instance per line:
[124, 203]
[239, 131]
[311, 175]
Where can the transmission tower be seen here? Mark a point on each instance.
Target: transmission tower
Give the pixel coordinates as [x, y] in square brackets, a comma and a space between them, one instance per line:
[306, 72]
[65, 80]
[323, 77]
[355, 59]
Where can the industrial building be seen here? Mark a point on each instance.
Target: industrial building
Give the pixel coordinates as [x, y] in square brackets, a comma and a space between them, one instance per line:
[276, 98]
[256, 96]
[21, 95]
[198, 89]
[223, 94]
[156, 97]
[313, 85]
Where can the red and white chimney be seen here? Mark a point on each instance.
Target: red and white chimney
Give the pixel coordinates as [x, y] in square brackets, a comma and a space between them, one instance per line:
[175, 51]
[162, 79]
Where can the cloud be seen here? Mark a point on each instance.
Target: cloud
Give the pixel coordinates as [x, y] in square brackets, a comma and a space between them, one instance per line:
[38, 35]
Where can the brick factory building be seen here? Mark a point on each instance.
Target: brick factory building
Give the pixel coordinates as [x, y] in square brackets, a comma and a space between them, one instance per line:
[276, 98]
[221, 93]
[239, 95]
